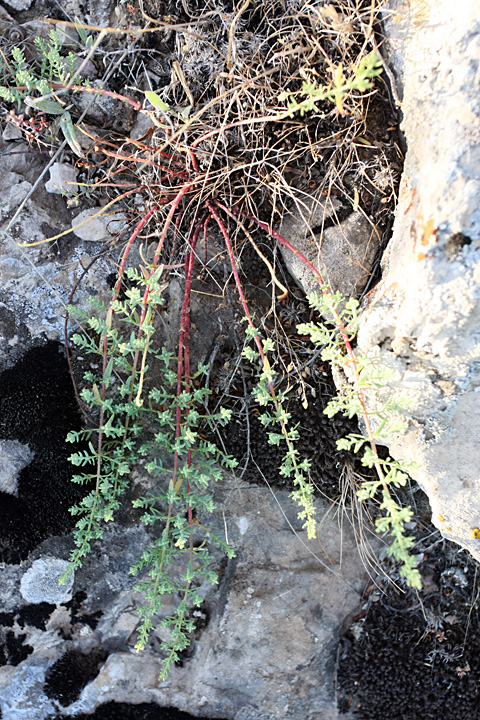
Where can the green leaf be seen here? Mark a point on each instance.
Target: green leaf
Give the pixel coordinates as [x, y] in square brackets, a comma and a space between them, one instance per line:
[157, 102]
[68, 130]
[82, 34]
[51, 107]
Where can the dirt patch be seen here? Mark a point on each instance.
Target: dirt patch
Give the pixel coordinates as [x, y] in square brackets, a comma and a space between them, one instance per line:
[38, 407]
[415, 655]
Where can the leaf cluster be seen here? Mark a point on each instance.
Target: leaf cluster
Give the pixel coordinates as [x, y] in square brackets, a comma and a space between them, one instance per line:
[277, 420]
[30, 83]
[147, 432]
[369, 374]
[359, 80]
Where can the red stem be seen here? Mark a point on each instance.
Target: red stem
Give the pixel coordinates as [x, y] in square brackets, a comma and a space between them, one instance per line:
[233, 264]
[338, 320]
[99, 91]
[146, 161]
[128, 247]
[176, 202]
[183, 367]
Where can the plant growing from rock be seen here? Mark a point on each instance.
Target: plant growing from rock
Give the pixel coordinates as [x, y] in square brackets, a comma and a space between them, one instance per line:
[186, 195]
[380, 424]
[159, 424]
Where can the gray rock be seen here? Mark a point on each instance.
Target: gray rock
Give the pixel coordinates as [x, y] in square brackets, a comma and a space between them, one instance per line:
[106, 111]
[19, 4]
[141, 126]
[63, 179]
[270, 645]
[11, 132]
[87, 225]
[269, 649]
[34, 286]
[13, 458]
[344, 253]
[5, 18]
[40, 582]
[24, 698]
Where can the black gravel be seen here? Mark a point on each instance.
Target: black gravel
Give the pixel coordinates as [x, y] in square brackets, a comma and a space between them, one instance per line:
[38, 408]
[318, 435]
[66, 678]
[414, 656]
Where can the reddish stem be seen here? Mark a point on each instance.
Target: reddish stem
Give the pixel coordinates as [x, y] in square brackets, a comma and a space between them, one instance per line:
[236, 276]
[338, 320]
[176, 202]
[128, 247]
[183, 366]
[99, 91]
[145, 161]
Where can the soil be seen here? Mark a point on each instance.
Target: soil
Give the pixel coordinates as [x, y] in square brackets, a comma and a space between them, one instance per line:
[409, 655]
[38, 408]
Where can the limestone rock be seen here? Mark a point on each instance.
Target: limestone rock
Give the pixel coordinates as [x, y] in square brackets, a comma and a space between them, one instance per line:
[63, 179]
[89, 226]
[13, 457]
[422, 320]
[141, 126]
[40, 582]
[268, 650]
[34, 286]
[19, 4]
[106, 111]
[342, 251]
[11, 132]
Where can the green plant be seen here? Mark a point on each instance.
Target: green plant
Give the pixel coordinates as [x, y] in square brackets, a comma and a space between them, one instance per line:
[380, 424]
[292, 465]
[360, 80]
[158, 424]
[186, 194]
[31, 83]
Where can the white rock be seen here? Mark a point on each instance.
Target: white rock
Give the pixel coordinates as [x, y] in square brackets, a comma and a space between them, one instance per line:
[88, 227]
[63, 179]
[20, 4]
[423, 319]
[13, 458]
[40, 582]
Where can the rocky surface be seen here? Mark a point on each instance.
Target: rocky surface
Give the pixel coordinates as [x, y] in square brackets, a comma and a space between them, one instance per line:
[340, 242]
[14, 456]
[422, 319]
[266, 641]
[41, 582]
[37, 281]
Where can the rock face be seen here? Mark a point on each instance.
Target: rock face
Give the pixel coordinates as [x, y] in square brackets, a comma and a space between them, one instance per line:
[270, 629]
[423, 319]
[36, 281]
[342, 250]
[40, 582]
[13, 457]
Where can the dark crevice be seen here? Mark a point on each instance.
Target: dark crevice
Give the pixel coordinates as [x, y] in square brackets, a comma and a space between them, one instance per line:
[38, 408]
